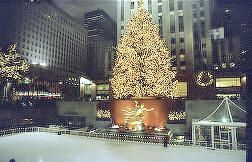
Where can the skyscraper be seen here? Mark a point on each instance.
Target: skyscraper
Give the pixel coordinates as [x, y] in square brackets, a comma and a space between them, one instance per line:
[101, 40]
[50, 39]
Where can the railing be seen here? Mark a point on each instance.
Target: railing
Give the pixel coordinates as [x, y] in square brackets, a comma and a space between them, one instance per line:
[152, 139]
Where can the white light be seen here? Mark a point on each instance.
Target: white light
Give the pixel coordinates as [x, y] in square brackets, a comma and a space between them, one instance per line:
[85, 81]
[227, 10]
[42, 64]
[224, 120]
[232, 64]
[34, 63]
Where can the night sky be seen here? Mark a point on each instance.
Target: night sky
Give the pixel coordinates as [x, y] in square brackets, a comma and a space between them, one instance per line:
[76, 8]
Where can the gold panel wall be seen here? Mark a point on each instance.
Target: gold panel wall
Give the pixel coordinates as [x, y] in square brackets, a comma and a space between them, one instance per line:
[155, 118]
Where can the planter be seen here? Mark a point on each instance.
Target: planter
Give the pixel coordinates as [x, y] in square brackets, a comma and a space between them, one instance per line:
[155, 118]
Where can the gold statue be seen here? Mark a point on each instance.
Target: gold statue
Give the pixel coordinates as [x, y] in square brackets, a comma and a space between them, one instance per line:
[134, 117]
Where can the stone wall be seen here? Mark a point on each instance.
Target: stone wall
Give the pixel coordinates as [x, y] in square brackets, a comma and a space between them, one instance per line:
[74, 108]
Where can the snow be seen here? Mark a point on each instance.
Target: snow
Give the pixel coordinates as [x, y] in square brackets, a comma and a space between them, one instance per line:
[44, 147]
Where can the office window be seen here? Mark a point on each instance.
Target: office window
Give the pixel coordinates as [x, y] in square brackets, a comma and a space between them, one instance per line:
[173, 41]
[201, 3]
[122, 11]
[182, 89]
[132, 5]
[171, 5]
[181, 23]
[172, 24]
[180, 5]
[203, 31]
[182, 51]
[160, 20]
[195, 27]
[202, 13]
[194, 6]
[182, 40]
[194, 15]
[182, 63]
[150, 6]
[159, 9]
[173, 62]
[173, 52]
[228, 82]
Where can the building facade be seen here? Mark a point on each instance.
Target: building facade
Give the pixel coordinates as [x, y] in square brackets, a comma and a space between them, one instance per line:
[101, 40]
[230, 47]
[185, 26]
[54, 43]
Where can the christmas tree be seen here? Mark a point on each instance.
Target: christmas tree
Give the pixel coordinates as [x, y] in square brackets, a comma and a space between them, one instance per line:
[142, 66]
[12, 66]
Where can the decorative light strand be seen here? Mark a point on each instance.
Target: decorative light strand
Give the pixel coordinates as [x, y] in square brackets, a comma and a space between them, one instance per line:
[174, 115]
[204, 78]
[103, 114]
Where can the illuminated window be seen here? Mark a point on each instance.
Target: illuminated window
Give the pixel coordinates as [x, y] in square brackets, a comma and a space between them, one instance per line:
[228, 82]
[180, 5]
[172, 24]
[182, 87]
[149, 6]
[181, 23]
[132, 5]
[159, 9]
[102, 87]
[122, 11]
[171, 4]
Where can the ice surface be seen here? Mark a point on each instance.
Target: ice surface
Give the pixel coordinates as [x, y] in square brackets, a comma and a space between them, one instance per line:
[43, 147]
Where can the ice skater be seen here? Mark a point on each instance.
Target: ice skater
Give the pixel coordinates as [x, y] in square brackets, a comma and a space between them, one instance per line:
[165, 141]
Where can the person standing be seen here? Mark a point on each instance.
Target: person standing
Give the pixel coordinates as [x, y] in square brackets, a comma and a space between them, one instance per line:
[165, 141]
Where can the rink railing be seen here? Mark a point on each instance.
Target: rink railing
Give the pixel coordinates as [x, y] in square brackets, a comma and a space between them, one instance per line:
[152, 139]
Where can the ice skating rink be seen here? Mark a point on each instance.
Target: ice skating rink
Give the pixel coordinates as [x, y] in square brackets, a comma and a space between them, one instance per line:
[44, 147]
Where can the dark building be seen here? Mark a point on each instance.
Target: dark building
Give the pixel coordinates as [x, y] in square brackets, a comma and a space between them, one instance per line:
[54, 43]
[230, 46]
[101, 40]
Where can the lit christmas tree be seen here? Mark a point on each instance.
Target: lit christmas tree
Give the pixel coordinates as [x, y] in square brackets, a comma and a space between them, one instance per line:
[12, 66]
[142, 67]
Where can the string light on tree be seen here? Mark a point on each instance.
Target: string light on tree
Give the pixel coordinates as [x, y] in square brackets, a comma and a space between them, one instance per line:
[143, 64]
[174, 115]
[12, 66]
[103, 114]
